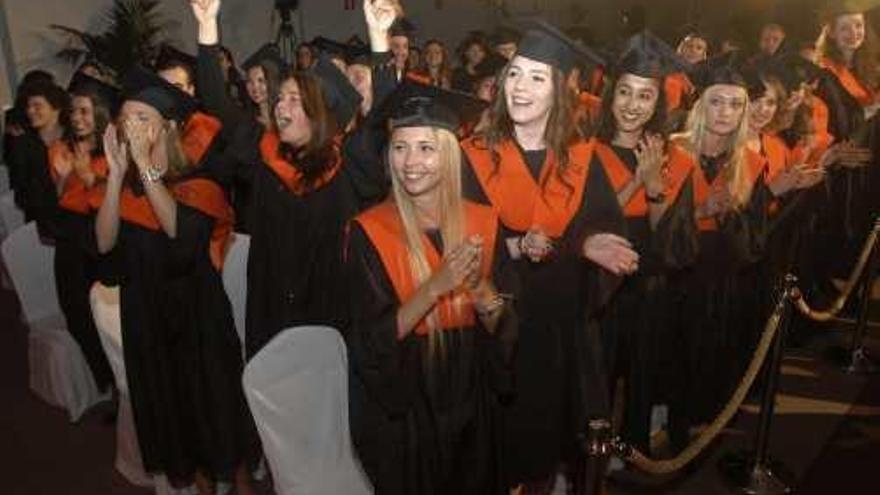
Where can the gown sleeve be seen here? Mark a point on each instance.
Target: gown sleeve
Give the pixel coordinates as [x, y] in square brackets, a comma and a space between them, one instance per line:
[381, 362]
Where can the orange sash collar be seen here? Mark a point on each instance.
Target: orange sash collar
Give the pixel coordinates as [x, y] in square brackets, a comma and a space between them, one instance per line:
[850, 82]
[75, 196]
[200, 194]
[702, 189]
[677, 86]
[678, 166]
[286, 172]
[198, 134]
[522, 203]
[384, 228]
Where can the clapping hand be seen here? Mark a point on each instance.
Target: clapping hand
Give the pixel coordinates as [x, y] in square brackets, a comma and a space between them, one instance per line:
[116, 153]
[611, 252]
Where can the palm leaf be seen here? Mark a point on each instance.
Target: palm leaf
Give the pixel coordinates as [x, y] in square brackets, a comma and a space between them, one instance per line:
[133, 32]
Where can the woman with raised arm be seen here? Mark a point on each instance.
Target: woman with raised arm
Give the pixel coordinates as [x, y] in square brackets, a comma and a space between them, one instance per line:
[166, 224]
[302, 192]
[431, 334]
[555, 210]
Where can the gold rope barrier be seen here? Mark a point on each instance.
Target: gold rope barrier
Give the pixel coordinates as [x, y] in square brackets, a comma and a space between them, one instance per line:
[693, 450]
[837, 306]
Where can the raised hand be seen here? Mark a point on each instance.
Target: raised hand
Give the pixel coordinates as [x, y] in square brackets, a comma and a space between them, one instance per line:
[461, 268]
[380, 14]
[116, 153]
[651, 158]
[206, 11]
[611, 252]
[140, 137]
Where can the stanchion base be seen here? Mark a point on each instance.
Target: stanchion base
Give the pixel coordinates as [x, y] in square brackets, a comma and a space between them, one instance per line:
[740, 471]
[861, 363]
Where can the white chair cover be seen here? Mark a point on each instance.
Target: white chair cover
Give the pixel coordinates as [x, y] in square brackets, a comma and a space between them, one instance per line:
[297, 389]
[108, 319]
[11, 217]
[58, 371]
[235, 279]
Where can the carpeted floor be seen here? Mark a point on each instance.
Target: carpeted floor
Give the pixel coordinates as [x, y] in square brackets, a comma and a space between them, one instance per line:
[827, 431]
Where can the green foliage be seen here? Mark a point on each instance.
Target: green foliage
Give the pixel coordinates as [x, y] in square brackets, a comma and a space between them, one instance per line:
[133, 32]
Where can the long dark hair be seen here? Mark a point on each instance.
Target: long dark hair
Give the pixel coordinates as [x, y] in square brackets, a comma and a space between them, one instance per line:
[865, 59]
[320, 153]
[561, 130]
[101, 115]
[607, 127]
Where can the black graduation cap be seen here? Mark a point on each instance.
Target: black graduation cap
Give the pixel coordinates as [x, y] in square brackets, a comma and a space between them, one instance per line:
[544, 43]
[147, 87]
[792, 70]
[490, 66]
[723, 69]
[109, 95]
[419, 105]
[402, 27]
[266, 54]
[330, 47]
[169, 55]
[646, 55]
[340, 96]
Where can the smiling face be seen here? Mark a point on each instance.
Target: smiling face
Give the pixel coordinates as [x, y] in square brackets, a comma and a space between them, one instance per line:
[763, 109]
[528, 91]
[41, 114]
[433, 55]
[256, 85]
[400, 49]
[293, 124]
[694, 49]
[414, 155]
[725, 108]
[634, 102]
[82, 117]
[848, 32]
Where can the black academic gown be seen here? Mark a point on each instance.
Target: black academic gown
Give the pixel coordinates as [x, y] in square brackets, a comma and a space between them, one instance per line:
[295, 263]
[423, 423]
[638, 323]
[559, 380]
[852, 195]
[722, 312]
[182, 353]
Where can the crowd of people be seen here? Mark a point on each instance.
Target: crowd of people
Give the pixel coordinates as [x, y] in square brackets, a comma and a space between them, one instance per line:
[506, 242]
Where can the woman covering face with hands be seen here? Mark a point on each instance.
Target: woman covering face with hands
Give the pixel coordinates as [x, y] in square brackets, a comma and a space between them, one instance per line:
[165, 223]
[431, 335]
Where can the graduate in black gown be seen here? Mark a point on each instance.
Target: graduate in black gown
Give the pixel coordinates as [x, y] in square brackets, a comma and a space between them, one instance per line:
[302, 193]
[431, 336]
[653, 182]
[77, 164]
[166, 224]
[849, 86]
[721, 307]
[47, 108]
[555, 210]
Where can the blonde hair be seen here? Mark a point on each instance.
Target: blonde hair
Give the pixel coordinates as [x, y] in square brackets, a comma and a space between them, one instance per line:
[451, 218]
[735, 173]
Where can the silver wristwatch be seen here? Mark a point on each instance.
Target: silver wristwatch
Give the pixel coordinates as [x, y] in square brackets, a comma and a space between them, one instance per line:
[152, 174]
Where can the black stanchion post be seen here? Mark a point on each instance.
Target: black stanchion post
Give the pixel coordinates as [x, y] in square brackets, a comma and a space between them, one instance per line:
[754, 473]
[860, 363]
[598, 449]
